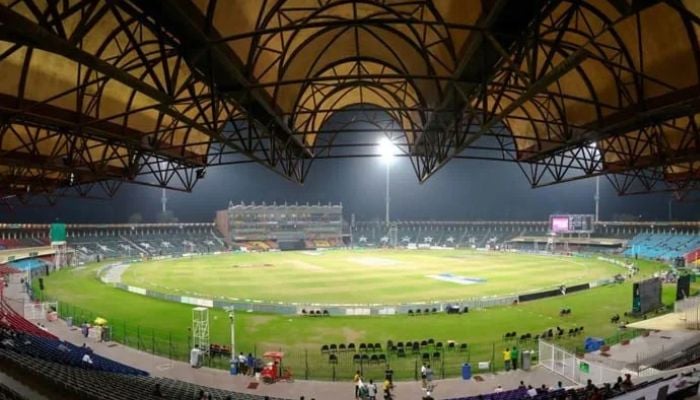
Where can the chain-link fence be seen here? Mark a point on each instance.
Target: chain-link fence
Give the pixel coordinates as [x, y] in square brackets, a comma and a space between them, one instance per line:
[333, 362]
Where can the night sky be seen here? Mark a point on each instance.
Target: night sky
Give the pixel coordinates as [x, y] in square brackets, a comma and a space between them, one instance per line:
[463, 190]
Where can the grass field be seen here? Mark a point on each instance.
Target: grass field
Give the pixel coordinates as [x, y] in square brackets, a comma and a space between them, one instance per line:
[162, 327]
[363, 276]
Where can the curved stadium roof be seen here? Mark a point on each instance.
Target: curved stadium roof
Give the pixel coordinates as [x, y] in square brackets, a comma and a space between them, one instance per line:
[95, 93]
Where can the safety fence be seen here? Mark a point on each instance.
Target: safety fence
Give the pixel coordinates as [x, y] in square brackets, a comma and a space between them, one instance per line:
[568, 365]
[315, 363]
[688, 311]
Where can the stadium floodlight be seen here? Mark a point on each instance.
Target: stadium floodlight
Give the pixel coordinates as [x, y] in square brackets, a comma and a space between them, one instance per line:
[387, 149]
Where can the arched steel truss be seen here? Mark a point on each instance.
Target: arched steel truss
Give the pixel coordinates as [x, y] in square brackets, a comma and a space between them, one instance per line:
[104, 92]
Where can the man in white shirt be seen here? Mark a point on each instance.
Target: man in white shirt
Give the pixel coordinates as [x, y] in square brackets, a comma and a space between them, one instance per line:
[194, 357]
[87, 359]
[372, 390]
[498, 389]
[531, 391]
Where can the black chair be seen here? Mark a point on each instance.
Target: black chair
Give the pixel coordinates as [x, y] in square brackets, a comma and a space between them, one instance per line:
[377, 347]
[351, 347]
[426, 357]
[410, 312]
[365, 358]
[303, 311]
[389, 344]
[370, 347]
[324, 349]
[424, 343]
[427, 311]
[325, 312]
[333, 348]
[434, 310]
[416, 348]
[436, 356]
[363, 347]
[463, 347]
[341, 347]
[451, 346]
[431, 341]
[438, 346]
[333, 359]
[399, 345]
[382, 358]
[401, 353]
[356, 358]
[374, 359]
[418, 311]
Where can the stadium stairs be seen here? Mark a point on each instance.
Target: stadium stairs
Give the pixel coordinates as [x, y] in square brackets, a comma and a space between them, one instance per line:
[8, 394]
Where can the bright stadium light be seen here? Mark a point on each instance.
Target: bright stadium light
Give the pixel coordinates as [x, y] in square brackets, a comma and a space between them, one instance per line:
[387, 149]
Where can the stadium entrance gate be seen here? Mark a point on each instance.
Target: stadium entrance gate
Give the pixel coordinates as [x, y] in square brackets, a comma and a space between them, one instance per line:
[577, 370]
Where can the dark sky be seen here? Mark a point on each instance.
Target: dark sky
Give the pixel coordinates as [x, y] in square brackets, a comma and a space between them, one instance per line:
[463, 190]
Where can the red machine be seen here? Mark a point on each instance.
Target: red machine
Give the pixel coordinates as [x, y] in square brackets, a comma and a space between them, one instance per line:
[271, 371]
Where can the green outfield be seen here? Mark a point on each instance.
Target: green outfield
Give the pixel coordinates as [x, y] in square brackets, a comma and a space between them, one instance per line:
[162, 327]
[364, 276]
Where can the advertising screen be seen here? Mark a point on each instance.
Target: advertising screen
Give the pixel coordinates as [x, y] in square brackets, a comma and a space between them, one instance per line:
[560, 224]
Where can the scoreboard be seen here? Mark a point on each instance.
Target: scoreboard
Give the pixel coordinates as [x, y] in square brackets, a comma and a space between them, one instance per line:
[571, 223]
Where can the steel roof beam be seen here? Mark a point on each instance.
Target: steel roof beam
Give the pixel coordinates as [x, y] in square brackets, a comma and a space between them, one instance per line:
[217, 63]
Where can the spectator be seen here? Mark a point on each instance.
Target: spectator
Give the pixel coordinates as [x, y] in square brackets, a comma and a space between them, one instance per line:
[506, 359]
[356, 381]
[531, 391]
[423, 375]
[627, 383]
[589, 385]
[242, 363]
[522, 385]
[250, 364]
[618, 384]
[389, 374]
[515, 357]
[87, 359]
[388, 385]
[372, 390]
[498, 389]
[428, 374]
